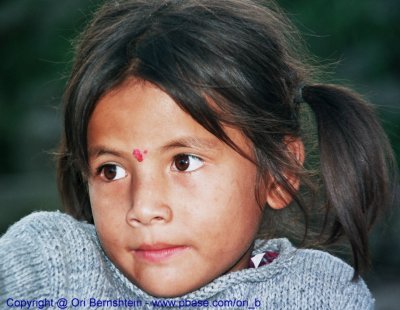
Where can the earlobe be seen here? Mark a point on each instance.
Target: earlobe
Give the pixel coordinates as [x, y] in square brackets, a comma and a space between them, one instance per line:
[280, 195]
[277, 198]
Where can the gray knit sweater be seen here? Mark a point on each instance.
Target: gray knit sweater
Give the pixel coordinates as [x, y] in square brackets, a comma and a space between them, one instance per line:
[49, 259]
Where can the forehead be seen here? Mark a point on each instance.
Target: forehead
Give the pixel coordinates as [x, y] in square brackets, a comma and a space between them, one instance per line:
[136, 103]
[140, 113]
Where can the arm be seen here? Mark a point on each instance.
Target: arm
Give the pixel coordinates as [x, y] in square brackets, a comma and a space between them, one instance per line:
[23, 270]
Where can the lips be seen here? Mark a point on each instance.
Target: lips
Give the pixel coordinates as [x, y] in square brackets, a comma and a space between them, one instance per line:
[159, 252]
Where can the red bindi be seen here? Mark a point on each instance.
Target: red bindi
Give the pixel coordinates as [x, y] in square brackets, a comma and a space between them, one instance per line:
[138, 154]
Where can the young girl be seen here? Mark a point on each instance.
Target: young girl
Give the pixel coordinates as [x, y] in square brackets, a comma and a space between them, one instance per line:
[183, 143]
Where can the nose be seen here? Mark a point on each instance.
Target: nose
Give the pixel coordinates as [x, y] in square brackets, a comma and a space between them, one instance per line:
[148, 204]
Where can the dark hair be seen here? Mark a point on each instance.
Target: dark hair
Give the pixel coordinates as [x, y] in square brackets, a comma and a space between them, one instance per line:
[243, 56]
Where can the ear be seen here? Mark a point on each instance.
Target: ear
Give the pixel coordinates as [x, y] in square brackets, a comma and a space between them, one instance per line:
[277, 196]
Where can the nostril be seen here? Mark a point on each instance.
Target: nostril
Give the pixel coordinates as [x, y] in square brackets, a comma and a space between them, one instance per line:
[157, 220]
[134, 222]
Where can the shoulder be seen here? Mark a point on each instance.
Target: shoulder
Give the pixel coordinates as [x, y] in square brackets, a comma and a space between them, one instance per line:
[41, 222]
[310, 279]
[42, 250]
[49, 229]
[327, 280]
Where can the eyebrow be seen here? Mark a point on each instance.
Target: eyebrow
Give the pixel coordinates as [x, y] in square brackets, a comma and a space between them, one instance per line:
[192, 142]
[99, 150]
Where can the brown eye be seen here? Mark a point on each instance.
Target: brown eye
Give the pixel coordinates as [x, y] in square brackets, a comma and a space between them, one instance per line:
[112, 172]
[182, 162]
[185, 162]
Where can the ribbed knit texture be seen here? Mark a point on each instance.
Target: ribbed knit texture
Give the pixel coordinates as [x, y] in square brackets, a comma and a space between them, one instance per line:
[51, 255]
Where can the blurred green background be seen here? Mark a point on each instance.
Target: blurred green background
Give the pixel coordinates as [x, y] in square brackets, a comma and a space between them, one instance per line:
[361, 36]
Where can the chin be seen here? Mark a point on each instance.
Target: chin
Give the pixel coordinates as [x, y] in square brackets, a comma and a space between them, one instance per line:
[167, 290]
[167, 285]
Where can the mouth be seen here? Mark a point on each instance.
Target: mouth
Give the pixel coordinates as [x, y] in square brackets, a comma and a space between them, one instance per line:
[158, 252]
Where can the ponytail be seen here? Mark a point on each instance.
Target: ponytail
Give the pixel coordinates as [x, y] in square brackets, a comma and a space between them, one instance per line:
[357, 166]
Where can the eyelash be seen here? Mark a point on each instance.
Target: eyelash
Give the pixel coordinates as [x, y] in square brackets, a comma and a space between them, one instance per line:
[189, 157]
[100, 172]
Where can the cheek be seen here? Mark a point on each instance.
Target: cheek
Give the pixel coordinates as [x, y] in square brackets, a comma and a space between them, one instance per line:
[109, 205]
[109, 217]
[108, 196]
[240, 213]
[222, 207]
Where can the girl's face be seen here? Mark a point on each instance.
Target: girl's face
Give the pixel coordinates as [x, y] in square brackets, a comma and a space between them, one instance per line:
[174, 207]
